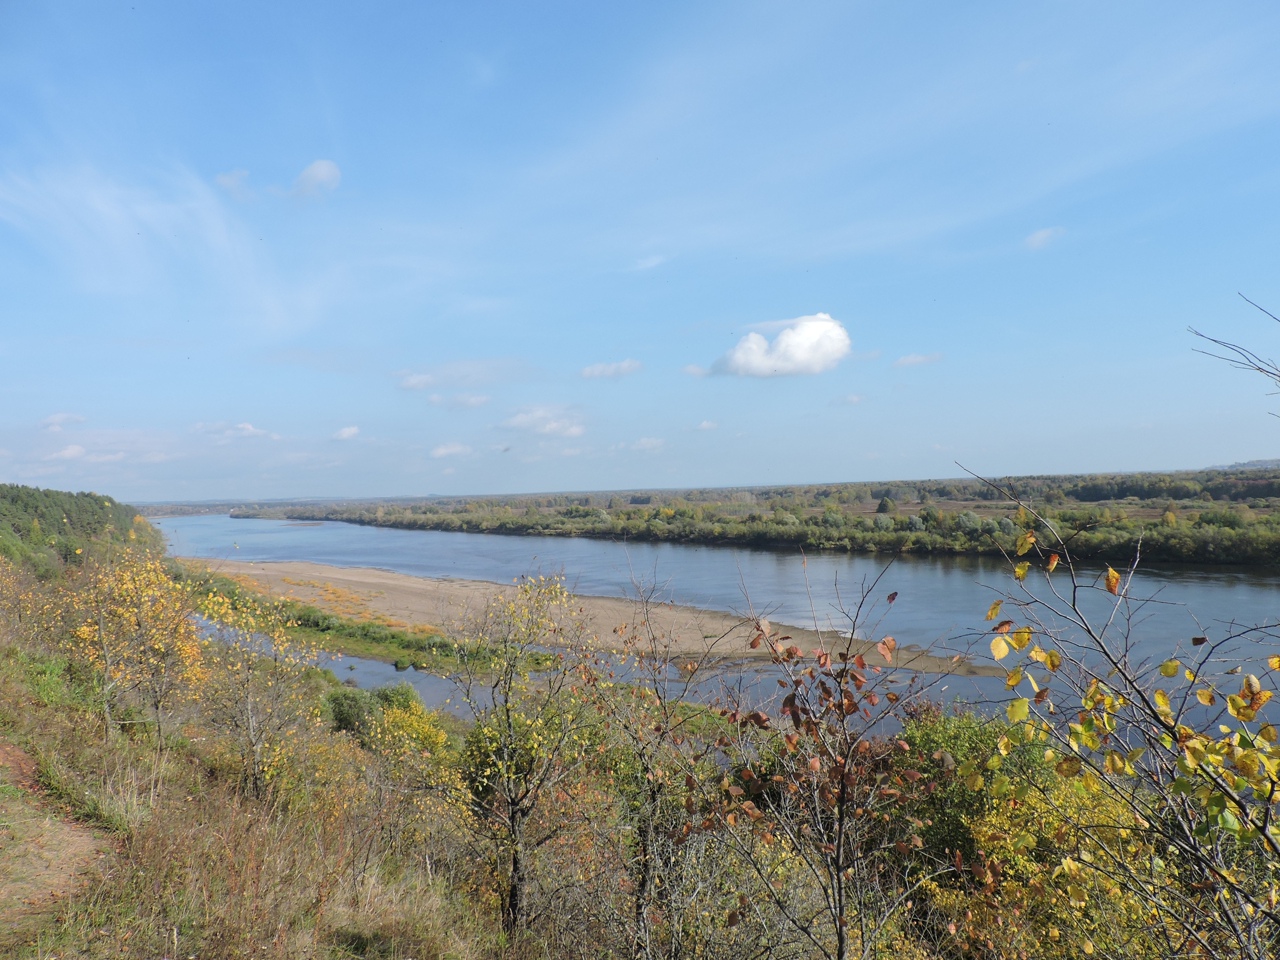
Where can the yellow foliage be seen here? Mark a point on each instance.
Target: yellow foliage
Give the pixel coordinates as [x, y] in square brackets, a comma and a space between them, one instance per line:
[1032, 891]
[132, 624]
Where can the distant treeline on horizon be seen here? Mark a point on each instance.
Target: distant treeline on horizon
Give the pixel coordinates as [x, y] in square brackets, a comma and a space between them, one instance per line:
[1227, 515]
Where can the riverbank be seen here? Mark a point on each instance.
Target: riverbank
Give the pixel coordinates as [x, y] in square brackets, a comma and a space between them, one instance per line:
[449, 603]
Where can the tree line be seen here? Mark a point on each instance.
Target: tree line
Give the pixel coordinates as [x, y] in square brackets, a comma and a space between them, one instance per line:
[1204, 517]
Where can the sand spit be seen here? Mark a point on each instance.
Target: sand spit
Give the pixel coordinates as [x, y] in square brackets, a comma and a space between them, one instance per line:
[449, 603]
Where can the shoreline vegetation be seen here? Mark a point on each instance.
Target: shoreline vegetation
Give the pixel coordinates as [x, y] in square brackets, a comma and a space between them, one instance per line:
[407, 607]
[1226, 516]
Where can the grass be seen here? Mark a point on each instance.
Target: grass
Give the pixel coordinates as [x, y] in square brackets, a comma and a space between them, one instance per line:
[199, 868]
[354, 632]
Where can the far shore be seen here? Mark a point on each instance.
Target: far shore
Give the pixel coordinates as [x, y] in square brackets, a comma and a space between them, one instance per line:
[449, 604]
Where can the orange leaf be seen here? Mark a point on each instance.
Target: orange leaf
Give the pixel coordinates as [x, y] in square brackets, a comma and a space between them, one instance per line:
[1113, 582]
[886, 648]
[1053, 561]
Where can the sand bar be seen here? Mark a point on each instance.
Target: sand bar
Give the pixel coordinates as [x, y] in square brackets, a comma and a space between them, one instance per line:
[448, 604]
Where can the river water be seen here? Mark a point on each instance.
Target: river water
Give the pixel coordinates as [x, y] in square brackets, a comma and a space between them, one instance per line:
[940, 603]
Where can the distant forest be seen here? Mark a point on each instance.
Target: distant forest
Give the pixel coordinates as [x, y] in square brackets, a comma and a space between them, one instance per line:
[1228, 515]
[47, 529]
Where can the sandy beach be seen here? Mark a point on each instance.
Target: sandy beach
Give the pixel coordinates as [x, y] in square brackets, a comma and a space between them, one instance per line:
[448, 604]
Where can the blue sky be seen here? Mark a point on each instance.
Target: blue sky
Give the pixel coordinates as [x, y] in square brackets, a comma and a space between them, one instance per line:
[272, 250]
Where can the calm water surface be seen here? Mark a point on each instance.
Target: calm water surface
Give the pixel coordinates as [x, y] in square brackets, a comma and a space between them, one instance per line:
[941, 602]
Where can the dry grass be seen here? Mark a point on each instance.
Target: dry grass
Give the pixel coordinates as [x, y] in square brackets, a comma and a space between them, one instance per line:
[200, 869]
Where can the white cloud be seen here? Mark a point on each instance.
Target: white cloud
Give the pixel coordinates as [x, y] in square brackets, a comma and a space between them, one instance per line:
[1040, 239]
[233, 182]
[347, 433]
[319, 176]
[72, 452]
[55, 422]
[693, 370]
[105, 457]
[917, 359]
[805, 345]
[707, 425]
[648, 263]
[461, 374]
[226, 434]
[618, 369]
[648, 444]
[450, 450]
[546, 420]
[469, 400]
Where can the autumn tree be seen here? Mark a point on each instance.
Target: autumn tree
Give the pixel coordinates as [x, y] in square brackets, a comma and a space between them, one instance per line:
[527, 737]
[133, 625]
[1176, 737]
[819, 807]
[256, 690]
[657, 756]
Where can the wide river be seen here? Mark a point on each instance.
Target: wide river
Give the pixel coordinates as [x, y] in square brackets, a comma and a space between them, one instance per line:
[940, 602]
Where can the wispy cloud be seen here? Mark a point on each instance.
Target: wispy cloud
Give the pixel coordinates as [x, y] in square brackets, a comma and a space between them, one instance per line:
[462, 400]
[417, 381]
[55, 422]
[917, 359]
[648, 444]
[450, 450]
[459, 374]
[707, 425]
[805, 345]
[70, 452]
[118, 236]
[233, 182]
[226, 433]
[550, 421]
[1040, 239]
[648, 263]
[347, 433]
[619, 369]
[319, 176]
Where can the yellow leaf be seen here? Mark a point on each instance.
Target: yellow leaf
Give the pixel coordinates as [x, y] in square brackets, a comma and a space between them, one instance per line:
[1053, 562]
[993, 611]
[1248, 763]
[1113, 582]
[999, 649]
[1018, 710]
[1162, 700]
[1169, 668]
[1020, 638]
[1206, 697]
[1274, 662]
[1014, 678]
[1239, 708]
[1025, 542]
[1020, 571]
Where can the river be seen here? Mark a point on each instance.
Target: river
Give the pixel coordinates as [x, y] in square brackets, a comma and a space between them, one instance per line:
[940, 603]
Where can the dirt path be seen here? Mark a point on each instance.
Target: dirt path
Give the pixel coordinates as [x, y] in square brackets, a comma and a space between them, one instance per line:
[366, 591]
[42, 856]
